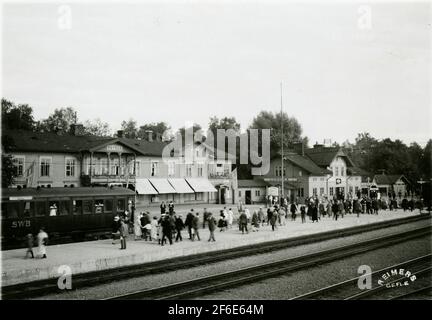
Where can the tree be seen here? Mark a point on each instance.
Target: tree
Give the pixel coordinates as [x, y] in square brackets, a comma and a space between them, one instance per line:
[97, 128]
[292, 130]
[159, 129]
[8, 166]
[17, 116]
[224, 123]
[129, 128]
[195, 128]
[59, 121]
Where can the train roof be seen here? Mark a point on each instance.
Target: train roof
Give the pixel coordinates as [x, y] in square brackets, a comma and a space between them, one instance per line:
[65, 192]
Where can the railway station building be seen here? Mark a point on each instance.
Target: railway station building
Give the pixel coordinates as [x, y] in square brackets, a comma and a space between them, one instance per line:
[48, 160]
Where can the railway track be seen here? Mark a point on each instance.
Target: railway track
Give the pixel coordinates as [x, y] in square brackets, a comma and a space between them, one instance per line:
[427, 290]
[349, 290]
[214, 283]
[47, 286]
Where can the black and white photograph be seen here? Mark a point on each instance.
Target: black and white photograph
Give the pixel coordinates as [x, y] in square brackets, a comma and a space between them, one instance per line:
[220, 155]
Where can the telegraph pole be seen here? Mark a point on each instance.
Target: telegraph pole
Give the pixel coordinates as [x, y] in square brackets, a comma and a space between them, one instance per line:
[282, 147]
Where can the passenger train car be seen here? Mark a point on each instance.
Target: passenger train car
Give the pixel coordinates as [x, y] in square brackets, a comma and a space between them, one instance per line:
[72, 213]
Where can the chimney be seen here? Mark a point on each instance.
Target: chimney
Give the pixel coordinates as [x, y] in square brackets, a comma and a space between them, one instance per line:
[299, 147]
[120, 133]
[149, 135]
[76, 129]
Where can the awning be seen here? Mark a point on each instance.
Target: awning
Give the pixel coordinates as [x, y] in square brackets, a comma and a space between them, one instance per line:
[201, 185]
[180, 185]
[162, 185]
[143, 186]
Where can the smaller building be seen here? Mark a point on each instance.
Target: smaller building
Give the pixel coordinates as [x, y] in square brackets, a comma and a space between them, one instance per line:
[252, 191]
[395, 185]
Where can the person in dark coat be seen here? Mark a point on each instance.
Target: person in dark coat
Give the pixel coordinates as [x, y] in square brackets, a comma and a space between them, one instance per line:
[212, 226]
[163, 207]
[335, 209]
[273, 221]
[145, 221]
[314, 213]
[205, 217]
[115, 228]
[188, 222]
[171, 208]
[375, 206]
[166, 230]
[293, 210]
[269, 214]
[179, 225]
[303, 213]
[30, 243]
[195, 223]
[404, 204]
[243, 223]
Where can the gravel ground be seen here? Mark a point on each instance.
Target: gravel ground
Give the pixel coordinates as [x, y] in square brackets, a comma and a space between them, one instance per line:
[133, 284]
[291, 285]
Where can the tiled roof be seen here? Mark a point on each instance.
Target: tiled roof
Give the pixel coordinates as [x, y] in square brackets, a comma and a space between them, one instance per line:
[306, 164]
[384, 179]
[323, 156]
[27, 141]
[252, 183]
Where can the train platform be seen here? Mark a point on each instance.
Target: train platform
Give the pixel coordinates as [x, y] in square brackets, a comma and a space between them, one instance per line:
[99, 255]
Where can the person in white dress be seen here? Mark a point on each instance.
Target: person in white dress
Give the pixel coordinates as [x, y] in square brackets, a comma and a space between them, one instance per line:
[42, 239]
[154, 229]
[230, 218]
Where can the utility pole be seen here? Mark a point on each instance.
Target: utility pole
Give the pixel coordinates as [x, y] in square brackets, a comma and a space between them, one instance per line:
[282, 148]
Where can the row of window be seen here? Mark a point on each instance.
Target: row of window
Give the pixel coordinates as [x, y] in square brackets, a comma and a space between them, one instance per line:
[257, 193]
[100, 167]
[336, 171]
[61, 207]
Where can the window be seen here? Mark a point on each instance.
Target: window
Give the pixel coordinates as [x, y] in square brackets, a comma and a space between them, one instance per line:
[314, 191]
[40, 208]
[314, 179]
[99, 206]
[87, 206]
[77, 206]
[200, 170]
[342, 171]
[239, 193]
[70, 167]
[121, 205]
[301, 192]
[64, 208]
[171, 168]
[108, 205]
[19, 165]
[28, 208]
[114, 164]
[12, 209]
[300, 173]
[337, 171]
[356, 189]
[154, 169]
[189, 170]
[331, 191]
[199, 196]
[350, 189]
[45, 164]
[321, 191]
[257, 193]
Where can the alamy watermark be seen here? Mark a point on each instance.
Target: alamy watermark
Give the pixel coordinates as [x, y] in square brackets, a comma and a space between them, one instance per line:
[393, 278]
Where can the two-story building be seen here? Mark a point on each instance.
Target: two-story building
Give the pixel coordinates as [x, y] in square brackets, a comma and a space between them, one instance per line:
[73, 160]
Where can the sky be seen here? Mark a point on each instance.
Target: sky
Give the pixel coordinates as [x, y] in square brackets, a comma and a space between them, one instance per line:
[345, 68]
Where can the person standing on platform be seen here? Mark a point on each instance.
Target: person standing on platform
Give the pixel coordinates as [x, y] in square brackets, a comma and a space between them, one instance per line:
[321, 210]
[205, 217]
[188, 222]
[270, 211]
[171, 208]
[293, 210]
[163, 207]
[30, 243]
[42, 240]
[166, 229]
[138, 227]
[115, 228]
[341, 208]
[261, 217]
[329, 208]
[243, 222]
[212, 226]
[303, 213]
[314, 213]
[230, 218]
[195, 224]
[179, 227]
[154, 229]
[255, 221]
[375, 206]
[273, 220]
[124, 232]
[335, 209]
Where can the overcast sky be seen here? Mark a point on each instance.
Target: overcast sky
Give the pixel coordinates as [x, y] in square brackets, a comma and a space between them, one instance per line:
[186, 62]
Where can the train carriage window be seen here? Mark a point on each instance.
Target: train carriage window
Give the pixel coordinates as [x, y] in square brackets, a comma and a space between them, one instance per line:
[12, 209]
[99, 206]
[77, 206]
[87, 206]
[40, 208]
[121, 204]
[64, 208]
[108, 205]
[29, 208]
[54, 208]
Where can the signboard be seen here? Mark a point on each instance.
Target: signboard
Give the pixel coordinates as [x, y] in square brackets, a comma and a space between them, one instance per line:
[273, 191]
[114, 147]
[20, 198]
[292, 179]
